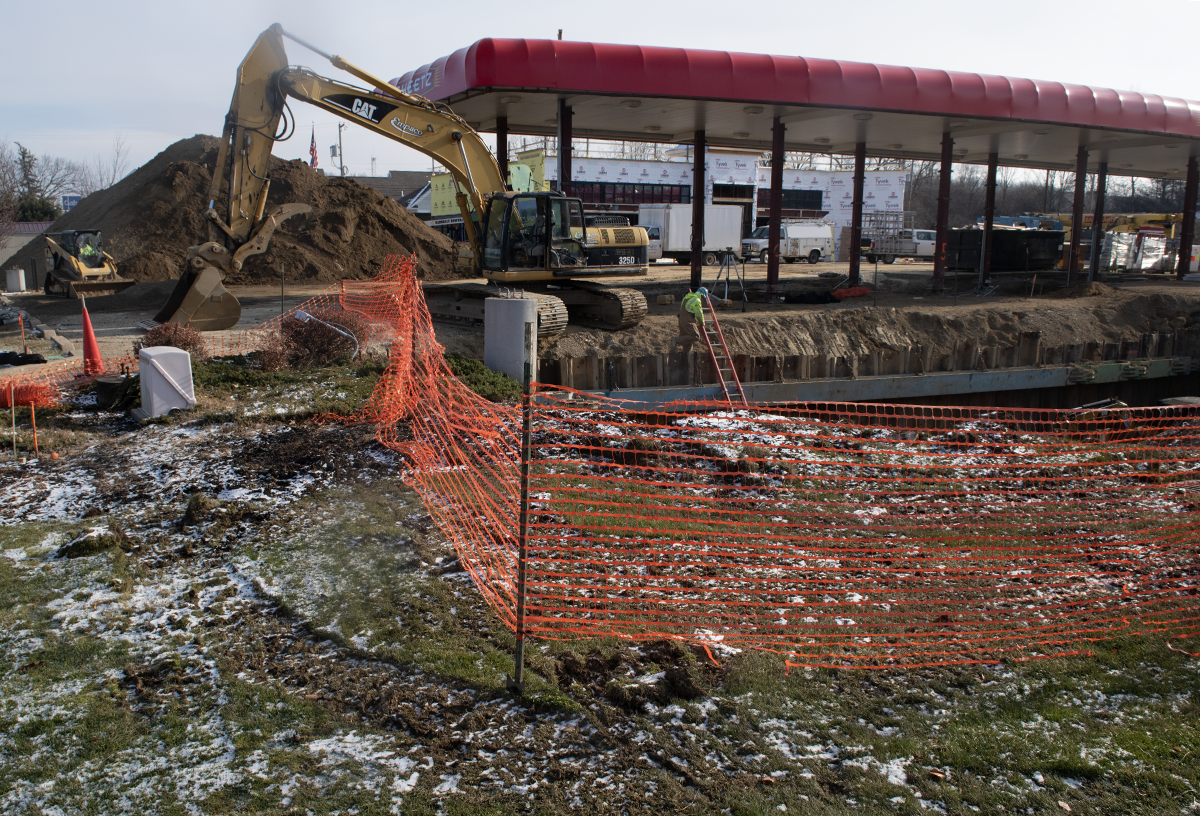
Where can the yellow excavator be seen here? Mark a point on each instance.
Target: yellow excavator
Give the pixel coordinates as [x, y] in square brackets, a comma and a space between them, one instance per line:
[537, 241]
[76, 264]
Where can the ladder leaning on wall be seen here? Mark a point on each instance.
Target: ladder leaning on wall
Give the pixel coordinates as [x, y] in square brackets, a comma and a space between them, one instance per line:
[722, 362]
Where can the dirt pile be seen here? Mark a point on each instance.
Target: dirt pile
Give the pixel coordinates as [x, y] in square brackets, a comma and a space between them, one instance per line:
[155, 214]
[854, 329]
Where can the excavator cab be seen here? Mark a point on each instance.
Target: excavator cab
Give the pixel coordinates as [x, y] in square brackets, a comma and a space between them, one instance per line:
[534, 231]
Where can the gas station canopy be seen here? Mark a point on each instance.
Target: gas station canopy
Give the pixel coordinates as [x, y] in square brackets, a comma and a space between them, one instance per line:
[642, 93]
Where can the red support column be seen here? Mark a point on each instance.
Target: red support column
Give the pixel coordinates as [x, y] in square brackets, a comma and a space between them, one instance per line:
[860, 171]
[989, 218]
[1189, 220]
[777, 159]
[943, 213]
[1098, 222]
[698, 210]
[1077, 211]
[502, 146]
[564, 147]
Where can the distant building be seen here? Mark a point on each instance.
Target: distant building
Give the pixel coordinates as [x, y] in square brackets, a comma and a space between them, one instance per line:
[398, 184]
[420, 202]
[20, 234]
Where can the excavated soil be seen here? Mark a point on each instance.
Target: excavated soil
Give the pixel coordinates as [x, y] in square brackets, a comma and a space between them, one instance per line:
[895, 320]
[155, 214]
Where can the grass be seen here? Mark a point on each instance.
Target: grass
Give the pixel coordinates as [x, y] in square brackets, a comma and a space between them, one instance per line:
[491, 385]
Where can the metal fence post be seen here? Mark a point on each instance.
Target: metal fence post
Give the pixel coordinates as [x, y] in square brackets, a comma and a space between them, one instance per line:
[517, 681]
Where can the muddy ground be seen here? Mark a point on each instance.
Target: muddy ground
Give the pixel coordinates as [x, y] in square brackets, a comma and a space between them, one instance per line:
[242, 610]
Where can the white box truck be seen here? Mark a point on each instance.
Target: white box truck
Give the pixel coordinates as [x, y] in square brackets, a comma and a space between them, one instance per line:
[669, 227]
[798, 241]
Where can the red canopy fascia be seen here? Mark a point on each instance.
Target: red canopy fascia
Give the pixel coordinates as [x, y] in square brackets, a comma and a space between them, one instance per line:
[632, 70]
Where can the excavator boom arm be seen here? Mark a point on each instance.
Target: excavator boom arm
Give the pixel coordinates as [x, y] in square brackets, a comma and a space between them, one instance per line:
[436, 133]
[265, 81]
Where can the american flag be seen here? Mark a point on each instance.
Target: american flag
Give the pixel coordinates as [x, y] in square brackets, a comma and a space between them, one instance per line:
[312, 149]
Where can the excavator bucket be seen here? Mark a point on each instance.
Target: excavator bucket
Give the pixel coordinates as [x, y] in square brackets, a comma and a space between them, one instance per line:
[200, 300]
[97, 288]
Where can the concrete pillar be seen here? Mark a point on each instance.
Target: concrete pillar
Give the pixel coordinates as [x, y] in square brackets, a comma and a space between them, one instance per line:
[860, 172]
[502, 146]
[698, 210]
[1081, 158]
[943, 213]
[504, 322]
[1098, 222]
[777, 159]
[564, 147]
[1189, 220]
[989, 218]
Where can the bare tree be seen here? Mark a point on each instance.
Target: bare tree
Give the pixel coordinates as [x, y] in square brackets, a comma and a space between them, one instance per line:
[104, 171]
[56, 176]
[1004, 179]
[9, 187]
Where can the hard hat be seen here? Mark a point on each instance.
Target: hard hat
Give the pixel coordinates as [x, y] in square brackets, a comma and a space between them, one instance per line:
[702, 291]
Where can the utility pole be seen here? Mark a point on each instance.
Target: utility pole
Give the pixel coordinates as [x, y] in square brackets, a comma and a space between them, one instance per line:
[341, 155]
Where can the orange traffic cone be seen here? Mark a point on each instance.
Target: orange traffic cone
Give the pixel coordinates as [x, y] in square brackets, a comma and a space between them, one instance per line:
[93, 363]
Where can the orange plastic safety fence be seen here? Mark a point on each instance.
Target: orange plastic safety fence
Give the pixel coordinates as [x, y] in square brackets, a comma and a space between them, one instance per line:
[864, 535]
[834, 534]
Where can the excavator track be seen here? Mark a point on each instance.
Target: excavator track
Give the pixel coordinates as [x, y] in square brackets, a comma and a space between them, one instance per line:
[608, 307]
[463, 303]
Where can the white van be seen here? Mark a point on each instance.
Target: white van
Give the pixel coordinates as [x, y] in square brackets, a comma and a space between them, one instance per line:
[926, 241]
[798, 240]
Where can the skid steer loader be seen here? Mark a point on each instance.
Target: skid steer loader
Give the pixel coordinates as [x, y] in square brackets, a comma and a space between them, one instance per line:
[76, 264]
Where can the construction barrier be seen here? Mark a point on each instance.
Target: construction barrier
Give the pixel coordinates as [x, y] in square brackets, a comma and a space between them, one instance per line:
[835, 535]
[842, 534]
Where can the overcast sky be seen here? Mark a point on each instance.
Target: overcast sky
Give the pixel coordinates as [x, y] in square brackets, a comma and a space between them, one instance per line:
[80, 73]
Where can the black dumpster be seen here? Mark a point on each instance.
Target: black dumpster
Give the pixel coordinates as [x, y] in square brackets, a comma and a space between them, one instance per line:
[1012, 250]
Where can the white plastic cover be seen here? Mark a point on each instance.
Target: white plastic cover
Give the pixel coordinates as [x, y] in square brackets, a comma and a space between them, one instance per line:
[166, 374]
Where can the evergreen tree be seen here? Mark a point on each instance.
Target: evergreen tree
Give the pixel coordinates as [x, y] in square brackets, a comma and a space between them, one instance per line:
[32, 202]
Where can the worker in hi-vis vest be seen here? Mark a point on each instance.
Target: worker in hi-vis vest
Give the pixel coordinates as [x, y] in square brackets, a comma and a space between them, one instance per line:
[691, 315]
